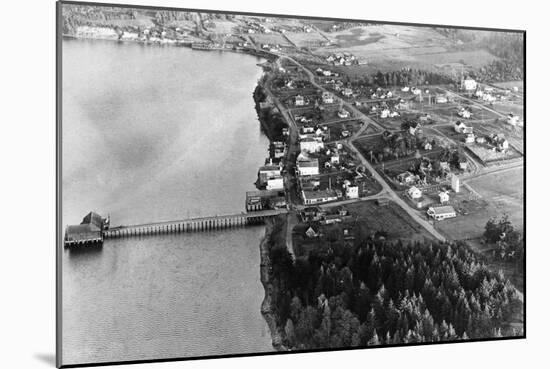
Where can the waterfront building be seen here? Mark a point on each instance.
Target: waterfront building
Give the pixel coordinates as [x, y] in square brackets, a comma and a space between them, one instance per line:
[275, 183]
[89, 231]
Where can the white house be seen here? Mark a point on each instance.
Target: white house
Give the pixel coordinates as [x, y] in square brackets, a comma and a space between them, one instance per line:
[470, 84]
[352, 192]
[441, 99]
[299, 100]
[275, 183]
[343, 113]
[470, 138]
[464, 113]
[512, 119]
[385, 113]
[308, 168]
[441, 212]
[328, 98]
[459, 126]
[443, 197]
[405, 177]
[311, 145]
[347, 92]
[335, 159]
[414, 193]
[405, 89]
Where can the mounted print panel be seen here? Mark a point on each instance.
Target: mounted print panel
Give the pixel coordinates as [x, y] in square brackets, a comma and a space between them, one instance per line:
[239, 184]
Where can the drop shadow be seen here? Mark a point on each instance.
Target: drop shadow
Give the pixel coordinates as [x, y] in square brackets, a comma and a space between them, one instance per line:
[46, 358]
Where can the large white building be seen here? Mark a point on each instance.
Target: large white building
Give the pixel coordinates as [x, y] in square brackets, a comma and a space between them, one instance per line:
[275, 183]
[308, 168]
[318, 197]
[470, 84]
[311, 145]
[268, 171]
[352, 192]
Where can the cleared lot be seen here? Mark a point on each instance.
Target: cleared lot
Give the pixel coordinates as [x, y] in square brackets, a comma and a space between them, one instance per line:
[502, 193]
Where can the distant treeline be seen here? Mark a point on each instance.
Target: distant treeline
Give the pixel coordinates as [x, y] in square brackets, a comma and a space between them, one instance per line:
[508, 46]
[403, 77]
[389, 293]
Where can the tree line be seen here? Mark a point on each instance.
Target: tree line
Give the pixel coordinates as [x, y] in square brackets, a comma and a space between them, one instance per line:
[383, 292]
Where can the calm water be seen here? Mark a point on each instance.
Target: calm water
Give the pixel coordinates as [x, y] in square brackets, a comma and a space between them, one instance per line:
[151, 134]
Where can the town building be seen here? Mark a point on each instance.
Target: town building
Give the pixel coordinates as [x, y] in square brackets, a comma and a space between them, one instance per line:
[414, 193]
[443, 197]
[347, 92]
[311, 145]
[343, 113]
[88, 232]
[328, 98]
[459, 126]
[441, 212]
[299, 100]
[352, 192]
[406, 178]
[275, 183]
[441, 99]
[455, 183]
[470, 138]
[268, 171]
[469, 84]
[512, 119]
[308, 168]
[318, 197]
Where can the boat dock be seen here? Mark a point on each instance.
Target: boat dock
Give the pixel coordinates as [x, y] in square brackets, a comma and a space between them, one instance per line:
[194, 224]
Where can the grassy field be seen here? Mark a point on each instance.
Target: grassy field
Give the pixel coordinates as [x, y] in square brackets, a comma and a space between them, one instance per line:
[391, 219]
[502, 193]
[270, 38]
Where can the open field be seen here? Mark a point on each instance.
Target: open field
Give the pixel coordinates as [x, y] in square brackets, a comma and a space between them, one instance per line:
[269, 38]
[391, 219]
[306, 39]
[502, 193]
[387, 47]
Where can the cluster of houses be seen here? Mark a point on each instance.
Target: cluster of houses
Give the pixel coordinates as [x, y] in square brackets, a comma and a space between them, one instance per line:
[499, 142]
[273, 48]
[300, 100]
[463, 129]
[344, 58]
[464, 113]
[325, 72]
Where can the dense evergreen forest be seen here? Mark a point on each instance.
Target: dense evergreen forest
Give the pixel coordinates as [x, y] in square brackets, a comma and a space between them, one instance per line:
[403, 77]
[385, 292]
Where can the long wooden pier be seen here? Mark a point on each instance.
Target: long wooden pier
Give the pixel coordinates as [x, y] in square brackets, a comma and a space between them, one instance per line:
[193, 224]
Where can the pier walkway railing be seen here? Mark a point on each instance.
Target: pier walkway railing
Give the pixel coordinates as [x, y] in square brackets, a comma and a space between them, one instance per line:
[193, 224]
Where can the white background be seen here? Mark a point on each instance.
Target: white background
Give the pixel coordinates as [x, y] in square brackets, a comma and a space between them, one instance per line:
[27, 206]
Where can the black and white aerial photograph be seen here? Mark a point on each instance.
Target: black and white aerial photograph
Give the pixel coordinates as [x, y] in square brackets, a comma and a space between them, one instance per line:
[236, 184]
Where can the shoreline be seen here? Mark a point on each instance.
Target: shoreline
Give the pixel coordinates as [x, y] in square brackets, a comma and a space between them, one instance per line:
[177, 43]
[266, 307]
